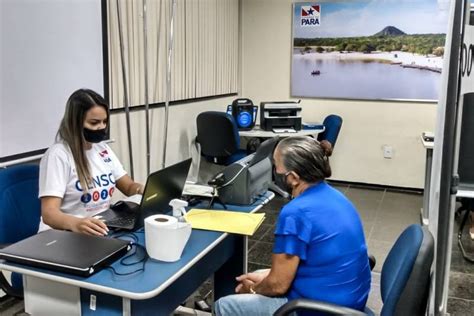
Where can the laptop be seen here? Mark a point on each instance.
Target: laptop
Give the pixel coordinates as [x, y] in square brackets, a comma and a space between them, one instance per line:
[66, 251]
[161, 187]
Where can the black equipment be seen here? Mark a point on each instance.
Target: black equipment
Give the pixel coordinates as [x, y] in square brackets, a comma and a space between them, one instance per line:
[244, 113]
[277, 115]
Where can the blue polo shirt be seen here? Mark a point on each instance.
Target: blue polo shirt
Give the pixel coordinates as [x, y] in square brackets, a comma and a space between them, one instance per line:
[322, 228]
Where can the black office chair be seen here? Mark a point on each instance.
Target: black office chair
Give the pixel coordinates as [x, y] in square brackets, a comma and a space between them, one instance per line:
[218, 137]
[404, 283]
[332, 126]
[20, 212]
[467, 206]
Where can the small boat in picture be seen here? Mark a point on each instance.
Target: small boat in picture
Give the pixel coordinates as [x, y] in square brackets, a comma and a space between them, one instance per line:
[315, 73]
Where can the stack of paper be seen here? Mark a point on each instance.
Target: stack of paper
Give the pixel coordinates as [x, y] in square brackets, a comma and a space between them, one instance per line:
[197, 190]
[225, 221]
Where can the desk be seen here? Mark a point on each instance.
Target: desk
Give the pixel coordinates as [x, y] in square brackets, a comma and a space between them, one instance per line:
[257, 132]
[158, 290]
[426, 192]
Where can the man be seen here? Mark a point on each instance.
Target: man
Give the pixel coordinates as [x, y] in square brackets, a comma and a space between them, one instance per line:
[319, 252]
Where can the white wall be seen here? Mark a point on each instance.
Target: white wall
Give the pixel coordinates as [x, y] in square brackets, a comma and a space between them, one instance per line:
[367, 126]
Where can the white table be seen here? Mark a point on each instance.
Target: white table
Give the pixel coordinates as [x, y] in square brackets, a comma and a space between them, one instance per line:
[257, 132]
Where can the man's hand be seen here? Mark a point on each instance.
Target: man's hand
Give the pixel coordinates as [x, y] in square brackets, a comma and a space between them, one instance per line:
[244, 287]
[249, 279]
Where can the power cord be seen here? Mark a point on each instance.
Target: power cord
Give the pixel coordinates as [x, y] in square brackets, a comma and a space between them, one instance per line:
[135, 251]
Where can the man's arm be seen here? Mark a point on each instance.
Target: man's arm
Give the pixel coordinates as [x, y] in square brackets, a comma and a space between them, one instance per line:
[278, 281]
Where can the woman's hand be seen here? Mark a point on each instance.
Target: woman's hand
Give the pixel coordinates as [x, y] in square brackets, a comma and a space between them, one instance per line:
[89, 226]
[54, 217]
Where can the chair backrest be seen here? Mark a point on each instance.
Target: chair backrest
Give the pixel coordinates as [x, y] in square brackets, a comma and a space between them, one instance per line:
[217, 134]
[20, 208]
[332, 125]
[406, 273]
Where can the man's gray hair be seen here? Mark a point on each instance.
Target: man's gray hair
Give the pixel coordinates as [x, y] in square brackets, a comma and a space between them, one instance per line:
[305, 156]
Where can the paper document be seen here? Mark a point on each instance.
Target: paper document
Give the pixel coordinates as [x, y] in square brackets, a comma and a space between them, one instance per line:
[136, 198]
[225, 221]
[197, 189]
[284, 130]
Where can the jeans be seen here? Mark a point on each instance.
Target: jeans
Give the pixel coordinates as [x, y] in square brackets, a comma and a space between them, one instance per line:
[248, 304]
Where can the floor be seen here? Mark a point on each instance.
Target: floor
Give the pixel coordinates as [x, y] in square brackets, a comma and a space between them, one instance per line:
[385, 213]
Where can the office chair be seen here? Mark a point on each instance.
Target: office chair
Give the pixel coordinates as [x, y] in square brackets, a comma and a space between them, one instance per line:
[467, 205]
[20, 212]
[404, 283]
[218, 137]
[332, 126]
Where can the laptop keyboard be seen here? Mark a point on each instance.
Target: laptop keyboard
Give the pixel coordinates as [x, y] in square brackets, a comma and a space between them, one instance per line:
[121, 221]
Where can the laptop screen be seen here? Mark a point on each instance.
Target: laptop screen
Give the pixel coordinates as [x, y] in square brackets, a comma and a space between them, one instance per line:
[164, 185]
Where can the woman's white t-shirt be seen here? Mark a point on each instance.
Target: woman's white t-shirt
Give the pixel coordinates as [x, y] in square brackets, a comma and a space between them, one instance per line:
[58, 177]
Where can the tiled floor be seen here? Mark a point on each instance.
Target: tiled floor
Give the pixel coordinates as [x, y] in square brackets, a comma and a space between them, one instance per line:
[385, 213]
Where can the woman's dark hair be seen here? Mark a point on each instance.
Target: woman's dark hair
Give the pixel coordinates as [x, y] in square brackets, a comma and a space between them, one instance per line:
[305, 156]
[71, 129]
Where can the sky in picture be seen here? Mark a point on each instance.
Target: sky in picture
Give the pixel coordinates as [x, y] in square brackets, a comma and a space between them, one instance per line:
[367, 17]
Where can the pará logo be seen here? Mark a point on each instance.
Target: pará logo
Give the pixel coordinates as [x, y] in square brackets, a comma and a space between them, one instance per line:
[310, 15]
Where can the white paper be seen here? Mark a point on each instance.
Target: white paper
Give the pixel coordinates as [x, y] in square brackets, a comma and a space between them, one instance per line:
[136, 198]
[197, 190]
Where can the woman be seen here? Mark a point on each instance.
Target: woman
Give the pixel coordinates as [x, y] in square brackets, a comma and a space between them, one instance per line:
[319, 251]
[79, 173]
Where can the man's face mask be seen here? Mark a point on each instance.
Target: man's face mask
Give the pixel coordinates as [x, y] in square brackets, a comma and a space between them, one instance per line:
[95, 136]
[280, 180]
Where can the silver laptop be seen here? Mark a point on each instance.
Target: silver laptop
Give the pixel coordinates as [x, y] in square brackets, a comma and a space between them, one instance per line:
[66, 251]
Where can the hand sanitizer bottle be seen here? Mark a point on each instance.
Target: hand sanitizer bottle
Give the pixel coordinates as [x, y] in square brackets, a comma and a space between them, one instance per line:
[179, 208]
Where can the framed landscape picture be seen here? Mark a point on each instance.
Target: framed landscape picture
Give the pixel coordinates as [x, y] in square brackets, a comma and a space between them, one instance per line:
[373, 49]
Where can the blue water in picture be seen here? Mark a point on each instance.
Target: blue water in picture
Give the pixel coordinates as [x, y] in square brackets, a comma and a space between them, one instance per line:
[357, 79]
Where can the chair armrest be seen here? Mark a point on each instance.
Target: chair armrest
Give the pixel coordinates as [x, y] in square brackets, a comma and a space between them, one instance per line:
[305, 304]
[8, 289]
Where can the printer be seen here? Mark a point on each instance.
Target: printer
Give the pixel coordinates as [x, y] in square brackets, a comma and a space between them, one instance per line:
[280, 115]
[245, 182]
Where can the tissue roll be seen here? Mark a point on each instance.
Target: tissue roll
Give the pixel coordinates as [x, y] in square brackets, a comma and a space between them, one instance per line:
[161, 220]
[165, 237]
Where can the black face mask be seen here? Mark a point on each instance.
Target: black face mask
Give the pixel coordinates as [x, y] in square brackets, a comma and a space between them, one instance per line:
[280, 180]
[95, 136]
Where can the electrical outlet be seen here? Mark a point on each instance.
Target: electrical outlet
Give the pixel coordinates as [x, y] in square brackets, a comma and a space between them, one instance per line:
[387, 151]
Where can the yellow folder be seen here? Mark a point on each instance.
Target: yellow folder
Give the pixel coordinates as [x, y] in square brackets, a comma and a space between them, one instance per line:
[225, 221]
